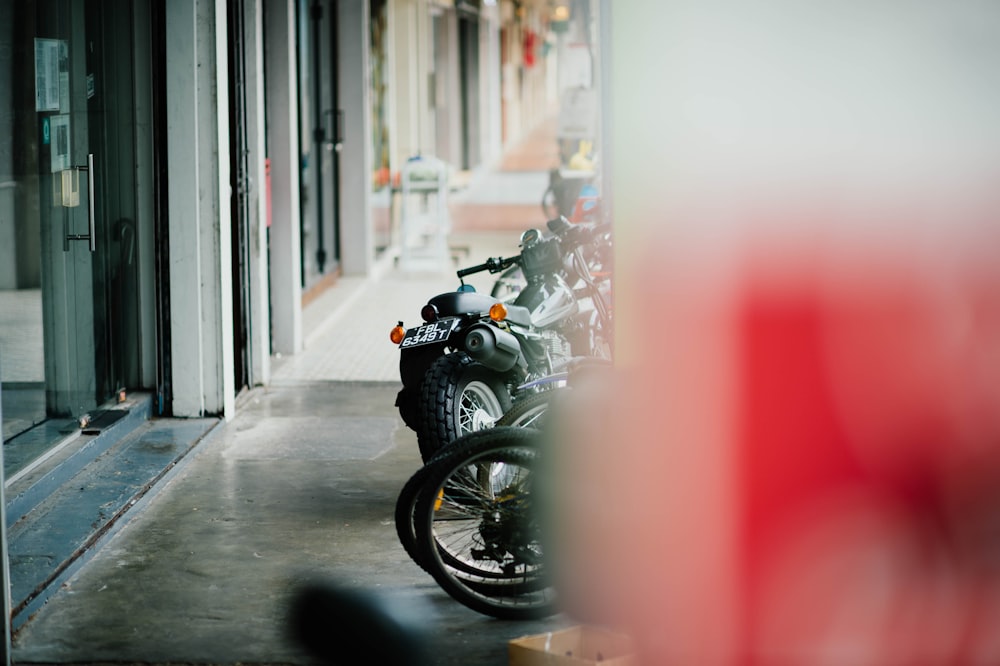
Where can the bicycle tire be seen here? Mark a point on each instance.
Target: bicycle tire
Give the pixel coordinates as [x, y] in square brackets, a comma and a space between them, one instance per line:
[490, 558]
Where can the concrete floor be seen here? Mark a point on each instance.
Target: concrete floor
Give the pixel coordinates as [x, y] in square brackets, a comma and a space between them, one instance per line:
[299, 487]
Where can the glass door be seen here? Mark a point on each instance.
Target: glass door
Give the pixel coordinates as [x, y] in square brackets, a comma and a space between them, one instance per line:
[69, 315]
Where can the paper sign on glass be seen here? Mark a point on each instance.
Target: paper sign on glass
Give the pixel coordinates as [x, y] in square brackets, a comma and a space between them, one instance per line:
[48, 65]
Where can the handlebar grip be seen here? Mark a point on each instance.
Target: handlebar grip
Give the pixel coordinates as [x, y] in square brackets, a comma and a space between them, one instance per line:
[559, 225]
[492, 265]
[474, 269]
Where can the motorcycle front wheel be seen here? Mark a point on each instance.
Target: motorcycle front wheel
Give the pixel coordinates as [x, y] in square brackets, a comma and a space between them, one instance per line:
[458, 396]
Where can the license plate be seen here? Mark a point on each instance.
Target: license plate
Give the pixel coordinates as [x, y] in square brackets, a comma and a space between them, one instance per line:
[437, 331]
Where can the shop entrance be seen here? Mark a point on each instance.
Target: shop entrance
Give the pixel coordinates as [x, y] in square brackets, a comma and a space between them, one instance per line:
[75, 203]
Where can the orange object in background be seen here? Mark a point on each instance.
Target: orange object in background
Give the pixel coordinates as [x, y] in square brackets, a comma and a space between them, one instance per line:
[381, 177]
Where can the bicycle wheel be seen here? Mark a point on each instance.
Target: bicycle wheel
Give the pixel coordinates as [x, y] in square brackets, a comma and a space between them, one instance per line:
[418, 485]
[405, 504]
[476, 531]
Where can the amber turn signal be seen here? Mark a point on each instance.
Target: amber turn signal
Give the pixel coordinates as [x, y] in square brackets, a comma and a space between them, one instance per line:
[498, 312]
[397, 333]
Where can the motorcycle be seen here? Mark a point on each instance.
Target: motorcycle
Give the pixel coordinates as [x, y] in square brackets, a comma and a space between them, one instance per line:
[474, 354]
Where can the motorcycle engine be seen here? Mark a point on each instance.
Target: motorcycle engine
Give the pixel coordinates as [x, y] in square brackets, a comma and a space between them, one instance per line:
[558, 350]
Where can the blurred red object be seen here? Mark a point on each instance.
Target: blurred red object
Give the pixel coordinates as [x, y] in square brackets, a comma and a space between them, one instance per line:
[803, 469]
[530, 43]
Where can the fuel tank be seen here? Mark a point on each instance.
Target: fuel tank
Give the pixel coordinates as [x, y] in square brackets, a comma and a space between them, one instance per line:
[550, 301]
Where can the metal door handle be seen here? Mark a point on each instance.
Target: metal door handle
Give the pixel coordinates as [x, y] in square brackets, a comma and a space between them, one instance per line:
[335, 140]
[91, 217]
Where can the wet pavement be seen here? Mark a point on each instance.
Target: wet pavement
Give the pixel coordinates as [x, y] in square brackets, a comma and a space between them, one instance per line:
[299, 487]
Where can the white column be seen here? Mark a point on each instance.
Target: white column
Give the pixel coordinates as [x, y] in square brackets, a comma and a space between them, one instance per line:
[259, 333]
[489, 84]
[424, 57]
[356, 235]
[221, 370]
[199, 225]
[182, 185]
[405, 81]
[282, 148]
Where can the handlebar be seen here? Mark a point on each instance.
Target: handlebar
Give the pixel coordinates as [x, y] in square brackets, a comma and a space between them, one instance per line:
[493, 265]
[569, 236]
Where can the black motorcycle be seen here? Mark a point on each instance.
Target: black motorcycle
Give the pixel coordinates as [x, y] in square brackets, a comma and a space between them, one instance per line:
[463, 367]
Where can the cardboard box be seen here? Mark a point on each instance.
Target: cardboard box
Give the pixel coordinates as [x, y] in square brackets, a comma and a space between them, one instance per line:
[576, 646]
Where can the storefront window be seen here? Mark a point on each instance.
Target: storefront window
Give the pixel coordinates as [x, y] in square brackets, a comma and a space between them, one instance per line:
[69, 246]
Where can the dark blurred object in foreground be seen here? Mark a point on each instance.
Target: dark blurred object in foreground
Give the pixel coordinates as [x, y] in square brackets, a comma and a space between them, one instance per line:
[340, 625]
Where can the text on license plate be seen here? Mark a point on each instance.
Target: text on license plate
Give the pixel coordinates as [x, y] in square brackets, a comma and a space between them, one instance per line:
[437, 331]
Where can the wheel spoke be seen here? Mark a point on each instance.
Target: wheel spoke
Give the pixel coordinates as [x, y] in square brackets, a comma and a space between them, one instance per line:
[478, 408]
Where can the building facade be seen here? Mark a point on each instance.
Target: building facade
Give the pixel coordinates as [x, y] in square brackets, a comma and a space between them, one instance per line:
[178, 179]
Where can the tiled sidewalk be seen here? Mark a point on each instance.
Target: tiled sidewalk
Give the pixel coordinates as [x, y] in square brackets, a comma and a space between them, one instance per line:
[347, 328]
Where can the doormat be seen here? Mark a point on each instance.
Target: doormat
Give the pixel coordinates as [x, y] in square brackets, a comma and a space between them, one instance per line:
[101, 419]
